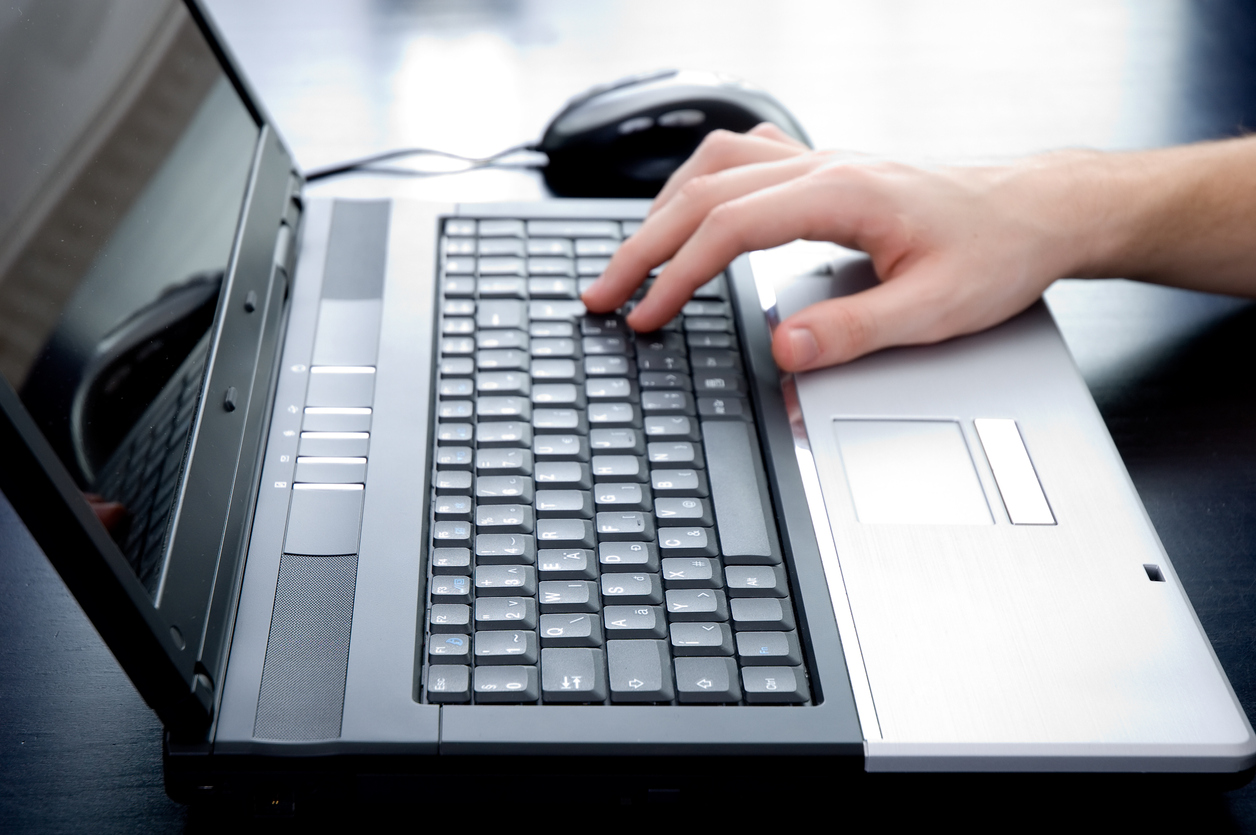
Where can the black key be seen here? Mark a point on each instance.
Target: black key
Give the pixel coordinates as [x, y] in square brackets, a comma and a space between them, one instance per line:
[653, 380]
[568, 475]
[451, 533]
[628, 556]
[451, 560]
[503, 407]
[492, 489]
[506, 684]
[687, 511]
[696, 605]
[613, 414]
[763, 649]
[690, 541]
[559, 420]
[505, 647]
[740, 505]
[503, 433]
[454, 457]
[571, 630]
[566, 564]
[560, 448]
[621, 441]
[619, 468]
[756, 581]
[455, 433]
[502, 340]
[502, 359]
[504, 549]
[701, 639]
[568, 596]
[675, 454]
[602, 325]
[662, 361]
[618, 525]
[707, 324]
[698, 307]
[640, 671]
[556, 370]
[446, 618]
[609, 344]
[707, 680]
[608, 365]
[505, 613]
[631, 588]
[774, 685]
[713, 359]
[504, 518]
[448, 684]
[710, 340]
[764, 614]
[554, 347]
[634, 622]
[449, 649]
[610, 388]
[558, 395]
[622, 496]
[505, 581]
[723, 408]
[503, 461]
[666, 402]
[692, 573]
[551, 330]
[573, 675]
[447, 588]
[660, 341]
[455, 409]
[718, 383]
[452, 507]
[671, 428]
[564, 503]
[565, 533]
[678, 482]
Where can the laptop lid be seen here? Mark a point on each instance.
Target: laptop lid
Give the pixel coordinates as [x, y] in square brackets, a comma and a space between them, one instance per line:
[144, 248]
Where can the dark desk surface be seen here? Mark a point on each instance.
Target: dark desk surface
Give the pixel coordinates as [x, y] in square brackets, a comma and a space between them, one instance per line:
[1170, 370]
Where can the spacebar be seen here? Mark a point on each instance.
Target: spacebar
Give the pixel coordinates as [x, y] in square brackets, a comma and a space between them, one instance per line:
[731, 455]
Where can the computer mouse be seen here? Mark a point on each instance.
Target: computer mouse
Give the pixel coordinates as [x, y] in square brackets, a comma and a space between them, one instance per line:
[624, 139]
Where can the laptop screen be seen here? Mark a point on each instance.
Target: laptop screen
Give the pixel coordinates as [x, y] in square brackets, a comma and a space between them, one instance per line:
[127, 153]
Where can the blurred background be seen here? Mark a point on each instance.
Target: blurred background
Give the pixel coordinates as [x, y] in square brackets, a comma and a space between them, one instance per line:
[923, 80]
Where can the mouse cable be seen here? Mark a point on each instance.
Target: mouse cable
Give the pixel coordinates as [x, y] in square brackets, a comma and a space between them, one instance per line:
[365, 162]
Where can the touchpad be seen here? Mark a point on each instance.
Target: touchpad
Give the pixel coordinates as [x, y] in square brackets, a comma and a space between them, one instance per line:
[911, 472]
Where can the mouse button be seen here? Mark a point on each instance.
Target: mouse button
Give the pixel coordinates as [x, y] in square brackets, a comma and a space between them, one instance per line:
[686, 118]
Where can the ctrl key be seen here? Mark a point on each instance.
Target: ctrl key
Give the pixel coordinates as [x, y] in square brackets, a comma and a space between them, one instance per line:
[774, 685]
[448, 683]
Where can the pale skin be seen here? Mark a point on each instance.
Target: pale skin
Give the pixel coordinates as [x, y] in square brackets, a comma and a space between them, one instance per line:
[957, 249]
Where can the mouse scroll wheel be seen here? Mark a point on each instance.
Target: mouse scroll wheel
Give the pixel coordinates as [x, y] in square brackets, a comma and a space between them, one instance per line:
[682, 119]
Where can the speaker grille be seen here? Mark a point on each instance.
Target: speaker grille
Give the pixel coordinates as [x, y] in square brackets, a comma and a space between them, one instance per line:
[307, 653]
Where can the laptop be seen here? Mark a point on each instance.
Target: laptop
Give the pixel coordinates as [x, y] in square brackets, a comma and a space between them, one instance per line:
[360, 487]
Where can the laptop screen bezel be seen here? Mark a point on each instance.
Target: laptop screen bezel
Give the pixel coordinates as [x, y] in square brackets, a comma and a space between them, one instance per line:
[174, 647]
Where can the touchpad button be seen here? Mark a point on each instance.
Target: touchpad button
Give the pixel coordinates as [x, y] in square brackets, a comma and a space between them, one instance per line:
[910, 472]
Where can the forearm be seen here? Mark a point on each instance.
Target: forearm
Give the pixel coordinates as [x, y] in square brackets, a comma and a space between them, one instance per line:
[1183, 216]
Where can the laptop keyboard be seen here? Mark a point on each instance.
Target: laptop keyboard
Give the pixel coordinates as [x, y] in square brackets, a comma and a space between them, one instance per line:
[600, 529]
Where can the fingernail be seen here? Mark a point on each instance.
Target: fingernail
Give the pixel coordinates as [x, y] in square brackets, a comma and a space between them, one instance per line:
[803, 347]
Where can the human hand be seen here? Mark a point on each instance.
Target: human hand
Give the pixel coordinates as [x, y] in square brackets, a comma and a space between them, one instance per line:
[957, 250]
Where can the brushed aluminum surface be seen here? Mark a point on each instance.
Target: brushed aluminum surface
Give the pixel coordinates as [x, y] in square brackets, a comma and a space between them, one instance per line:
[1035, 647]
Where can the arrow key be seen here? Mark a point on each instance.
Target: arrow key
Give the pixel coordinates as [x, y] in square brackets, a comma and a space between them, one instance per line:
[639, 671]
[707, 680]
[570, 674]
[689, 639]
